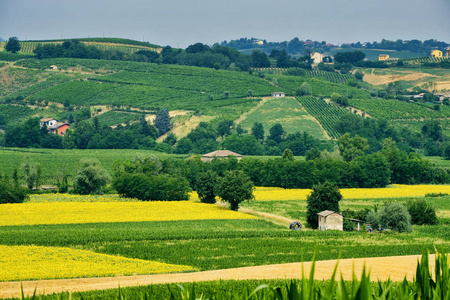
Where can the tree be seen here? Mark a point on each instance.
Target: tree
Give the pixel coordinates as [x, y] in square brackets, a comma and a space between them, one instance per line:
[395, 216]
[324, 196]
[234, 188]
[162, 121]
[352, 147]
[206, 183]
[13, 45]
[305, 89]
[276, 133]
[224, 128]
[30, 168]
[10, 192]
[91, 177]
[422, 212]
[258, 131]
[288, 155]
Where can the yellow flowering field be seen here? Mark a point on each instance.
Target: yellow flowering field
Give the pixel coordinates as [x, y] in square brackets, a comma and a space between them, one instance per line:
[47, 198]
[105, 212]
[37, 262]
[393, 191]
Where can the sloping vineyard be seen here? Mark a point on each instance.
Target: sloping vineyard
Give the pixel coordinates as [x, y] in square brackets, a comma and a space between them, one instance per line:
[326, 114]
[425, 59]
[329, 76]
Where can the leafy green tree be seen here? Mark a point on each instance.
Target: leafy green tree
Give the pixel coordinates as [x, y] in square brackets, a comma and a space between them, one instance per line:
[359, 75]
[206, 183]
[305, 89]
[422, 212]
[288, 155]
[243, 144]
[90, 177]
[352, 147]
[234, 188]
[162, 121]
[30, 168]
[446, 152]
[11, 192]
[170, 139]
[324, 196]
[276, 133]
[395, 216]
[13, 45]
[83, 133]
[258, 131]
[224, 128]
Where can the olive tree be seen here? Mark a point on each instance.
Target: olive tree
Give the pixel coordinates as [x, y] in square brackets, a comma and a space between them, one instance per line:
[91, 177]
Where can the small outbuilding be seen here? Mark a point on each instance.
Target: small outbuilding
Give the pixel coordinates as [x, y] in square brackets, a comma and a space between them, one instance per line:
[220, 154]
[278, 94]
[330, 220]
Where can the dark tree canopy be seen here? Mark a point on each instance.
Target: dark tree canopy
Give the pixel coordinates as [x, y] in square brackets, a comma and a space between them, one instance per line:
[349, 57]
[234, 188]
[162, 121]
[324, 196]
[258, 130]
[13, 45]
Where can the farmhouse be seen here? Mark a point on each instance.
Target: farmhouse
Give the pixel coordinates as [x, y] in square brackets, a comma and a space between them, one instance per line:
[330, 220]
[53, 67]
[447, 52]
[220, 154]
[317, 57]
[382, 57]
[278, 94]
[436, 53]
[54, 126]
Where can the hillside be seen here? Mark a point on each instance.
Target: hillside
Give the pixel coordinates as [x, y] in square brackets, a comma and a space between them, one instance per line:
[120, 91]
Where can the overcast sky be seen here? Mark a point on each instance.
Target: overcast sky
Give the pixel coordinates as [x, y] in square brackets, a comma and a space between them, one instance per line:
[179, 23]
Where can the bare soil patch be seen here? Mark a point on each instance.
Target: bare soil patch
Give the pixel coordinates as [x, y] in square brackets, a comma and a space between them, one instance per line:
[393, 267]
[385, 79]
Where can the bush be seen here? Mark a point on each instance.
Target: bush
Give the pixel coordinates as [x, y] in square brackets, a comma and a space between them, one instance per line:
[422, 212]
[206, 186]
[11, 193]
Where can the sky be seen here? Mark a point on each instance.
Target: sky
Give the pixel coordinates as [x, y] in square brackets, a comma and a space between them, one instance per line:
[180, 23]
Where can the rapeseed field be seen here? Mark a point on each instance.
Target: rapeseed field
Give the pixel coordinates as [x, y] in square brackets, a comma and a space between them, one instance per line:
[38, 262]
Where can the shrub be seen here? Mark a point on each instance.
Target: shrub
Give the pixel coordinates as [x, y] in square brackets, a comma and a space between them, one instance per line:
[422, 212]
[11, 193]
[206, 186]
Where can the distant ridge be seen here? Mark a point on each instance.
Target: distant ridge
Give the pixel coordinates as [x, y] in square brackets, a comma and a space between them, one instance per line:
[2, 40]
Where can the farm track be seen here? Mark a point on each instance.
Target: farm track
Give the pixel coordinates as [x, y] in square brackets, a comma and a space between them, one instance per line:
[393, 267]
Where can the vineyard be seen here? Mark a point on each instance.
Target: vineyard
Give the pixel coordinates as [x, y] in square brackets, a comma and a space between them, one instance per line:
[326, 113]
[425, 59]
[29, 46]
[329, 76]
[116, 117]
[14, 113]
[397, 110]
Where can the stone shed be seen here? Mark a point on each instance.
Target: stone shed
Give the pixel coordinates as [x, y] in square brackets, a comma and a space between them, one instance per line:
[330, 220]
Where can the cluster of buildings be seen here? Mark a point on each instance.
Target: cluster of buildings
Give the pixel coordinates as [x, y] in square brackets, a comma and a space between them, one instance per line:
[434, 54]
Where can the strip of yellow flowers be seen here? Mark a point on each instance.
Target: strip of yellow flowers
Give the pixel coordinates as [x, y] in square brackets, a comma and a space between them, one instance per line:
[106, 212]
[393, 191]
[37, 262]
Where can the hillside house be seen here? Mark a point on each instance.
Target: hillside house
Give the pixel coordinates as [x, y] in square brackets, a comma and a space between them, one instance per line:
[436, 53]
[447, 52]
[317, 57]
[54, 126]
[220, 154]
[53, 67]
[59, 128]
[330, 220]
[385, 57]
[278, 94]
[48, 122]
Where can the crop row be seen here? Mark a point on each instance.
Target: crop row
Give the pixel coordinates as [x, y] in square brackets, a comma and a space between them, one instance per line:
[326, 113]
[425, 59]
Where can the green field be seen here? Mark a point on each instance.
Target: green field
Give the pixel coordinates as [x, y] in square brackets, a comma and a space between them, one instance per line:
[286, 111]
[373, 54]
[52, 160]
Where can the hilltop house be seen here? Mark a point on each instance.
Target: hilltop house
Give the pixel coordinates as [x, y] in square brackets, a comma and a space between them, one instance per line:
[436, 53]
[54, 126]
[447, 52]
[220, 154]
[330, 220]
[385, 57]
[278, 94]
[317, 57]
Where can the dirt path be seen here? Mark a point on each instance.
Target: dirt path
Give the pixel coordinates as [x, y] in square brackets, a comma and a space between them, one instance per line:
[395, 267]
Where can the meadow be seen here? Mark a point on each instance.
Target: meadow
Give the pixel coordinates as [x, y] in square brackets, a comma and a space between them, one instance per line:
[286, 111]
